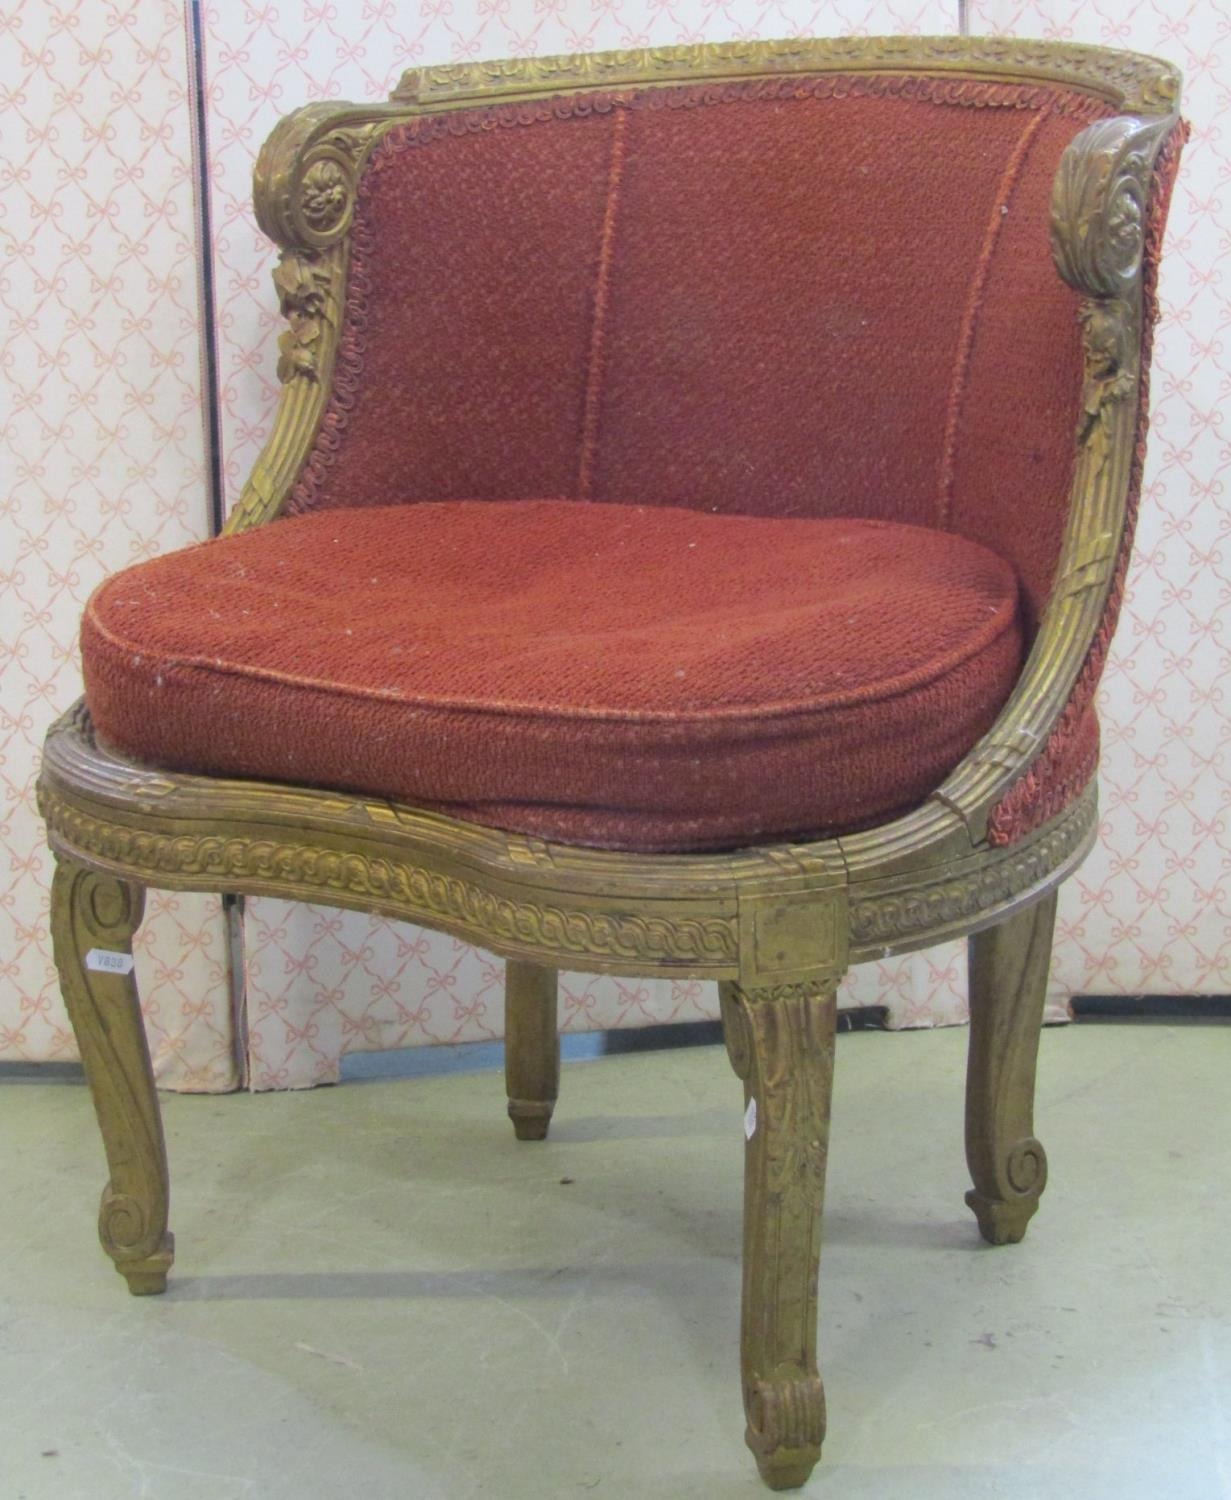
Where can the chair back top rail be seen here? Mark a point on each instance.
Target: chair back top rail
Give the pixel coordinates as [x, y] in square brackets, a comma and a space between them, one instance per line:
[1128, 81]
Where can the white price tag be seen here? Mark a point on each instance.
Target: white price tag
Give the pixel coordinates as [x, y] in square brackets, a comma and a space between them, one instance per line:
[108, 961]
[750, 1120]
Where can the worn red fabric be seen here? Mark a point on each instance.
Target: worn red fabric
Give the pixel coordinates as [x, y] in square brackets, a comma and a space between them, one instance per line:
[826, 296]
[616, 675]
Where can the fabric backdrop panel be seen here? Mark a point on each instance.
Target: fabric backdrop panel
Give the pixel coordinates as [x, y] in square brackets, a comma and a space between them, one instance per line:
[1150, 910]
[101, 449]
[100, 296]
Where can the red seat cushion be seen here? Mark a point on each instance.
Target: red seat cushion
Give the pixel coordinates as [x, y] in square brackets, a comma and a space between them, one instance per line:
[622, 676]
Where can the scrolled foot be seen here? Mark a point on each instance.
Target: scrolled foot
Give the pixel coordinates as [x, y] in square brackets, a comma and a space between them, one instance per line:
[1003, 1220]
[140, 1244]
[1000, 1223]
[148, 1277]
[531, 1117]
[786, 1427]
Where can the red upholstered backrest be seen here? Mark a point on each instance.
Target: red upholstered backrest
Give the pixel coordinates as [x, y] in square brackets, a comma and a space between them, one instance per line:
[807, 296]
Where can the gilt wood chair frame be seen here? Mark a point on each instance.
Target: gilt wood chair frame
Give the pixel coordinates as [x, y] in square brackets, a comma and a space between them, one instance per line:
[775, 926]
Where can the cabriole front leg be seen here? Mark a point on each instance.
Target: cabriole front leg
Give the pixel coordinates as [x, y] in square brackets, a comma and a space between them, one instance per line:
[1008, 985]
[93, 918]
[781, 1043]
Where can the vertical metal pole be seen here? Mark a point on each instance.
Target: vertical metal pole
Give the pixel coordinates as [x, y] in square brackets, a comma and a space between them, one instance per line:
[211, 406]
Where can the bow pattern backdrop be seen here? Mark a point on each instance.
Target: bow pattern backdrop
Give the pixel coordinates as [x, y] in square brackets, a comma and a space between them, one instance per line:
[100, 294]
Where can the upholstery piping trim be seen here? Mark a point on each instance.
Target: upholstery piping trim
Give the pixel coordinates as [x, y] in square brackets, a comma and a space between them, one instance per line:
[974, 307]
[592, 411]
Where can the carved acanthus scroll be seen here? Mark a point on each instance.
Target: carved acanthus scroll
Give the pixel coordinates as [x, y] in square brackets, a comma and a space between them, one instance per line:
[1098, 229]
[1098, 203]
[304, 186]
[308, 172]
[304, 190]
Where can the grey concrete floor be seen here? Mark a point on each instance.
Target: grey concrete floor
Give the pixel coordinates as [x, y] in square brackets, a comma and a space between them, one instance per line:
[380, 1294]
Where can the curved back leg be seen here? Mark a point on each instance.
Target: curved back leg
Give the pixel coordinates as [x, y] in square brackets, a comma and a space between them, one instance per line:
[1008, 985]
[93, 918]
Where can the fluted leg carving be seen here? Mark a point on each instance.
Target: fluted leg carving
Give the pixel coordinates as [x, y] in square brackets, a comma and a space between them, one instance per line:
[780, 1041]
[93, 918]
[531, 1048]
[1008, 985]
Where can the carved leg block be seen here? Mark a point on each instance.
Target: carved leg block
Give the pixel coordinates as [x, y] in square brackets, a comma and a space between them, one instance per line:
[780, 1041]
[93, 918]
[1008, 984]
[531, 1048]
